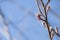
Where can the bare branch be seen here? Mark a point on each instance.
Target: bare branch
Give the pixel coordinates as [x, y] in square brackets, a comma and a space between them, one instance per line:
[39, 8]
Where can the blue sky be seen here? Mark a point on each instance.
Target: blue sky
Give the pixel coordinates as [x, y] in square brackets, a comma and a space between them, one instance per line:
[26, 26]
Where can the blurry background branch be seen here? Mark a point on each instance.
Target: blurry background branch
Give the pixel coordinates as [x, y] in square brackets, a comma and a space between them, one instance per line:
[14, 26]
[6, 24]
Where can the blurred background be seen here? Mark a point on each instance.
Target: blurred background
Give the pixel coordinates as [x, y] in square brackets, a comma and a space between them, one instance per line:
[18, 21]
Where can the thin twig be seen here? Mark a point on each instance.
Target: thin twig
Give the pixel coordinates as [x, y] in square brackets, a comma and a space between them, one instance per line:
[39, 8]
[47, 3]
[56, 33]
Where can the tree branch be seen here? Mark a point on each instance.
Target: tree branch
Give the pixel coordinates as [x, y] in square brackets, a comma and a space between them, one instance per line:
[39, 8]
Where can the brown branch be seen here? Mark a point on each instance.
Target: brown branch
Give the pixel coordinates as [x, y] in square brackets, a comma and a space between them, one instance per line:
[47, 3]
[42, 19]
[43, 7]
[52, 31]
[39, 8]
[56, 33]
[46, 20]
[48, 29]
[42, 3]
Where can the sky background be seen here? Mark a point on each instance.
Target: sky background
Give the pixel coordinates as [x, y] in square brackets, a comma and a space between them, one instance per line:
[23, 25]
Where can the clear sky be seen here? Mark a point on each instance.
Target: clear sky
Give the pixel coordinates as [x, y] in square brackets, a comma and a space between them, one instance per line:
[25, 26]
